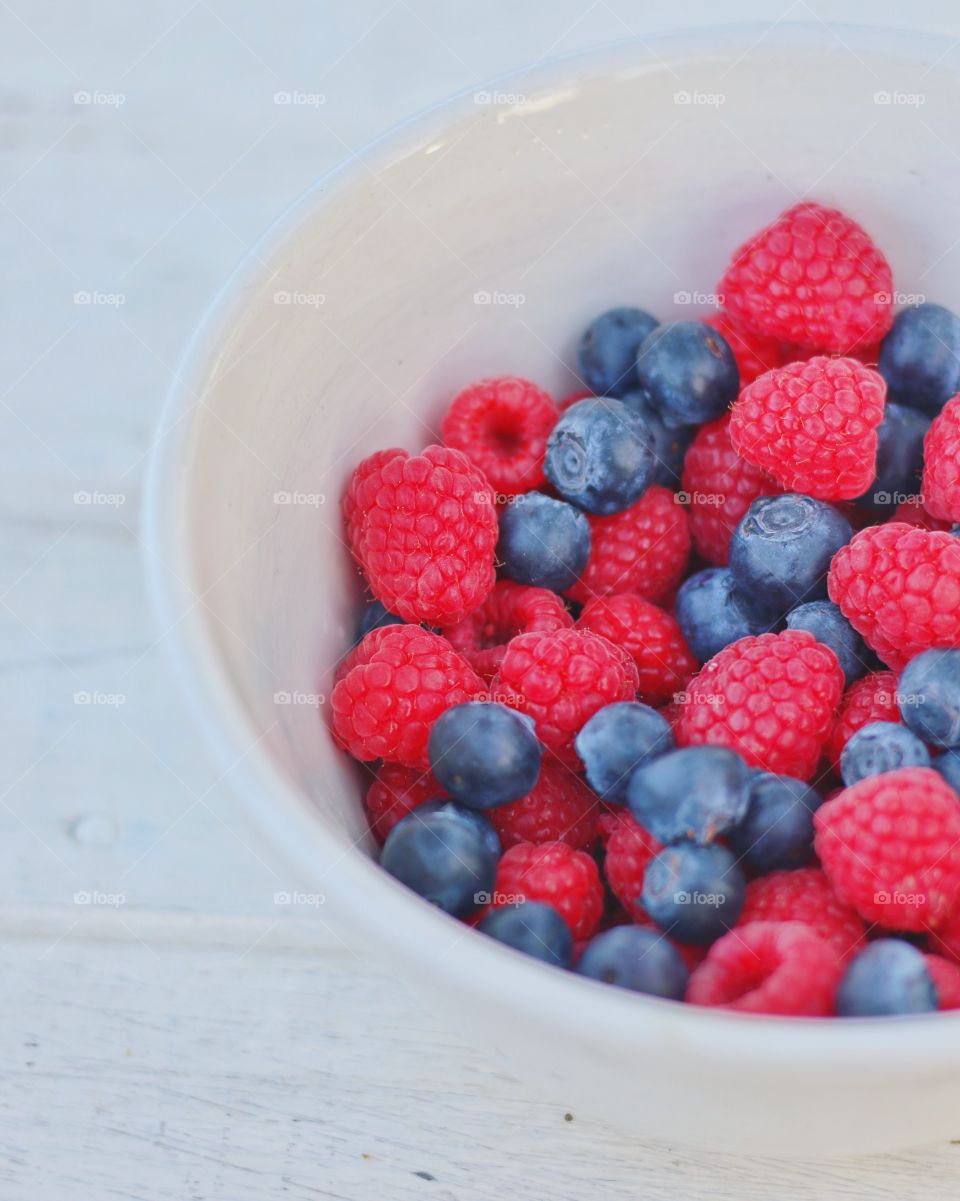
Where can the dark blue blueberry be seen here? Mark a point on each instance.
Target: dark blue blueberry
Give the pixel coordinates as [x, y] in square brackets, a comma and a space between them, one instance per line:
[446, 853]
[638, 959]
[899, 459]
[823, 619]
[713, 612]
[696, 793]
[616, 740]
[669, 444]
[929, 696]
[600, 456]
[948, 765]
[920, 358]
[889, 977]
[531, 927]
[693, 892]
[543, 542]
[607, 353]
[690, 372]
[777, 829]
[484, 754]
[374, 617]
[781, 550]
[878, 747]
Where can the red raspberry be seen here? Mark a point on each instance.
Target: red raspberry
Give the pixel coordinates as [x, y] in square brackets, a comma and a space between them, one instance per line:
[559, 808]
[754, 353]
[941, 464]
[361, 653]
[946, 980]
[644, 549]
[561, 680]
[651, 637]
[769, 967]
[812, 277]
[946, 939]
[890, 846]
[720, 486]
[629, 849]
[899, 587]
[813, 426]
[510, 609]
[804, 895]
[871, 698]
[369, 468]
[557, 875]
[394, 792]
[913, 513]
[385, 706]
[868, 355]
[424, 530]
[769, 696]
[502, 426]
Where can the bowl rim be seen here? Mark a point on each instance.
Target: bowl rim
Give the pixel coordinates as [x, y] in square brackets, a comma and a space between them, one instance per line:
[373, 903]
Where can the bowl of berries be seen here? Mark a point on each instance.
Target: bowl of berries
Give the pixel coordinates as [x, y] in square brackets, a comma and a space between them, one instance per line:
[556, 518]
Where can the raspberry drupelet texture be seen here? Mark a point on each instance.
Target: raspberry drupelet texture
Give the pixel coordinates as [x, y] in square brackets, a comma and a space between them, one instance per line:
[719, 486]
[555, 874]
[812, 277]
[559, 808]
[769, 696]
[872, 698]
[644, 549]
[946, 980]
[754, 353]
[890, 846]
[394, 792]
[502, 426]
[941, 464]
[424, 530]
[899, 587]
[911, 511]
[769, 967]
[561, 680]
[650, 636]
[813, 426]
[804, 895]
[353, 511]
[385, 706]
[510, 609]
[629, 849]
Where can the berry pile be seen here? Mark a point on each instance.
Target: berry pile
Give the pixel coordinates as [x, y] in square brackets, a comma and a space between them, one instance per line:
[660, 683]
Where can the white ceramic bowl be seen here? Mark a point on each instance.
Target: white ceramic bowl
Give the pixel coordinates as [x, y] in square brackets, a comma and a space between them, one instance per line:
[622, 176]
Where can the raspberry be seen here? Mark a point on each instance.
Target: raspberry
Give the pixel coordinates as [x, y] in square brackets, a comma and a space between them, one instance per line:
[769, 967]
[362, 652]
[804, 895]
[394, 792]
[559, 808]
[557, 875]
[424, 530]
[720, 487]
[899, 587]
[946, 980]
[813, 426]
[912, 512]
[872, 698]
[941, 464]
[769, 696]
[890, 846]
[754, 353]
[650, 636]
[946, 939]
[370, 467]
[812, 277]
[644, 549]
[629, 849]
[385, 706]
[510, 609]
[502, 426]
[561, 680]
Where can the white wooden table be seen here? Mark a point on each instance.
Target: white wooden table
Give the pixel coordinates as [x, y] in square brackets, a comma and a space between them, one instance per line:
[167, 1030]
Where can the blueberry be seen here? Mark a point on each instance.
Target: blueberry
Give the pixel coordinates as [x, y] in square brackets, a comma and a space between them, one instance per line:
[713, 612]
[600, 456]
[446, 853]
[781, 550]
[693, 892]
[690, 372]
[889, 977]
[823, 619]
[899, 459]
[531, 927]
[484, 754]
[777, 829]
[929, 696]
[669, 444]
[616, 740]
[543, 542]
[920, 358]
[374, 617]
[878, 747]
[607, 353]
[948, 765]
[696, 793]
[635, 958]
